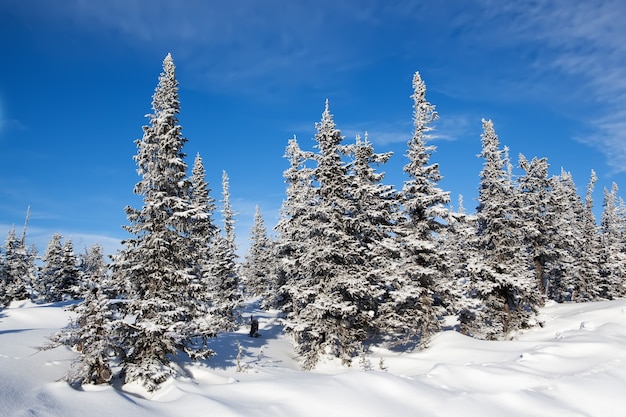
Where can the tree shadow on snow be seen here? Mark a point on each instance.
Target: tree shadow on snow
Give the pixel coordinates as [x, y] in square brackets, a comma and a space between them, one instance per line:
[227, 345]
[13, 330]
[394, 344]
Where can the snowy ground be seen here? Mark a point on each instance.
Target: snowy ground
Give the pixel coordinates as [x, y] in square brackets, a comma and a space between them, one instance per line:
[574, 366]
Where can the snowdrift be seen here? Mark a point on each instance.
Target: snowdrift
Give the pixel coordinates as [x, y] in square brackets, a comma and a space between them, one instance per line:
[575, 365]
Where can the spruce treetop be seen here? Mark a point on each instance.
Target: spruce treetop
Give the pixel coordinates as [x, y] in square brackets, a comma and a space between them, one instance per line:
[165, 98]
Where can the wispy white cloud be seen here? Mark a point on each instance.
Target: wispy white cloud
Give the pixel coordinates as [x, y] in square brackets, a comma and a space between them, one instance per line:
[77, 220]
[243, 45]
[380, 134]
[40, 237]
[449, 127]
[8, 125]
[82, 241]
[609, 136]
[580, 47]
[576, 49]
[452, 127]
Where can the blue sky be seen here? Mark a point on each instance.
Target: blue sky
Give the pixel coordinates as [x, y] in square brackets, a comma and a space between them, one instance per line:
[78, 76]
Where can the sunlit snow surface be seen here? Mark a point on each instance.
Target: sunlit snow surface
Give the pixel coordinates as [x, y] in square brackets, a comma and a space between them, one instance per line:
[573, 366]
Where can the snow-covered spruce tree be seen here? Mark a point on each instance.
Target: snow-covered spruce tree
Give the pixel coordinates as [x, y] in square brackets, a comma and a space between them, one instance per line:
[325, 318]
[93, 269]
[59, 277]
[457, 241]
[163, 315]
[620, 282]
[70, 272]
[589, 288]
[259, 267]
[613, 249]
[371, 216]
[568, 273]
[202, 231]
[293, 227]
[17, 269]
[3, 281]
[411, 303]
[49, 271]
[538, 220]
[225, 285]
[373, 208]
[92, 334]
[499, 273]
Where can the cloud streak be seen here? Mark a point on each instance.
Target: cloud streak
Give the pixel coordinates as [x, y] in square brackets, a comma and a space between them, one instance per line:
[582, 42]
[40, 237]
[576, 49]
[8, 125]
[227, 42]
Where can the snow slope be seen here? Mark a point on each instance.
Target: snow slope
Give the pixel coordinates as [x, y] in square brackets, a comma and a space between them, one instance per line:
[575, 365]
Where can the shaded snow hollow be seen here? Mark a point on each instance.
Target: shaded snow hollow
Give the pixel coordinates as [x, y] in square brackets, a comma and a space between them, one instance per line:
[574, 366]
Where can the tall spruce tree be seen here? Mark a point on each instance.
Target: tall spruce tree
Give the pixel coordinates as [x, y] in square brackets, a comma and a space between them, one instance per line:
[499, 272]
[59, 275]
[17, 268]
[588, 288]
[373, 209]
[613, 249]
[156, 267]
[371, 217]
[413, 299]
[331, 311]
[537, 219]
[569, 269]
[49, 271]
[457, 241]
[294, 224]
[224, 273]
[202, 231]
[258, 268]
[70, 271]
[94, 271]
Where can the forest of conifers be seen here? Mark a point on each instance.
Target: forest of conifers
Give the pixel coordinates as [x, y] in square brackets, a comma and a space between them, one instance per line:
[353, 262]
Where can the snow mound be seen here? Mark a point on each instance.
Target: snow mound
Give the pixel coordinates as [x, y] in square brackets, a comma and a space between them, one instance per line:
[574, 365]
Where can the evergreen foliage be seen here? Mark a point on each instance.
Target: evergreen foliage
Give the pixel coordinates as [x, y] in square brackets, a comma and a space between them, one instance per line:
[592, 248]
[59, 275]
[201, 227]
[92, 334]
[202, 232]
[355, 262]
[335, 239]
[17, 269]
[324, 317]
[457, 241]
[224, 284]
[570, 269]
[412, 304]
[331, 302]
[154, 272]
[537, 219]
[259, 270]
[613, 246]
[93, 269]
[294, 223]
[501, 280]
[373, 210]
